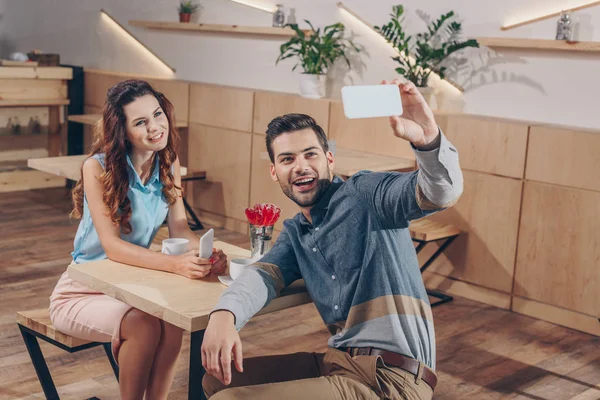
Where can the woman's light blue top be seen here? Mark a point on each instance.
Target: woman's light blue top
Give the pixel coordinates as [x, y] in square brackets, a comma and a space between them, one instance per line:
[149, 210]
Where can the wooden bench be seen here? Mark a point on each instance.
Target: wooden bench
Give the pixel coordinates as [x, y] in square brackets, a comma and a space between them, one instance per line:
[36, 324]
[424, 231]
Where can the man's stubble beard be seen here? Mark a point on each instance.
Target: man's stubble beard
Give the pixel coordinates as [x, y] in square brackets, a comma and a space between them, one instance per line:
[321, 188]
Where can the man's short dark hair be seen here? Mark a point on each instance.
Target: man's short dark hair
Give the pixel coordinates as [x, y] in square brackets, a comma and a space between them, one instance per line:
[293, 123]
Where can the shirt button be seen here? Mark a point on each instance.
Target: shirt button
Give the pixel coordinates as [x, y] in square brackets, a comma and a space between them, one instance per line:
[333, 277]
[317, 228]
[314, 249]
[335, 307]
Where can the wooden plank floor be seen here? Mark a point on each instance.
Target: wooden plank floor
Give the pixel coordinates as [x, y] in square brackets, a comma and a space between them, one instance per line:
[483, 352]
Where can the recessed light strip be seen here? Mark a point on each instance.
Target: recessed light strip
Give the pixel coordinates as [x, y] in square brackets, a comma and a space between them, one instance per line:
[255, 5]
[120, 27]
[543, 17]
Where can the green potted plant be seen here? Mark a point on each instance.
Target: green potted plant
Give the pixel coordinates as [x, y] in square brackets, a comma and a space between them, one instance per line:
[186, 9]
[426, 52]
[316, 52]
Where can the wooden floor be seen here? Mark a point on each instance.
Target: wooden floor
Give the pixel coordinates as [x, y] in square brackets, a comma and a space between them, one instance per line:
[483, 352]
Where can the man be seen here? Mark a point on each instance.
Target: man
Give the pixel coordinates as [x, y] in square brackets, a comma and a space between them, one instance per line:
[351, 245]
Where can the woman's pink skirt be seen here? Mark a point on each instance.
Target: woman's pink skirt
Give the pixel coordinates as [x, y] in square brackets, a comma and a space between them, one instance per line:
[86, 314]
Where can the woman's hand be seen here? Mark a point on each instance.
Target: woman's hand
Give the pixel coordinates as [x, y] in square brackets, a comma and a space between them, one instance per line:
[190, 265]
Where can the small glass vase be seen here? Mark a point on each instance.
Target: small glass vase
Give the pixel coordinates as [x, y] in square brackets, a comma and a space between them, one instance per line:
[564, 27]
[260, 240]
[279, 17]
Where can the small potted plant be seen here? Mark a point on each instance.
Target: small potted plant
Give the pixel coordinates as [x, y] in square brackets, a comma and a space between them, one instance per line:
[316, 52]
[424, 53]
[186, 9]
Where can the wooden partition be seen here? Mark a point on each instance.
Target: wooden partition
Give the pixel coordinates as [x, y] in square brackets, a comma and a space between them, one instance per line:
[269, 105]
[222, 107]
[558, 261]
[220, 143]
[564, 156]
[529, 214]
[372, 135]
[489, 145]
[480, 263]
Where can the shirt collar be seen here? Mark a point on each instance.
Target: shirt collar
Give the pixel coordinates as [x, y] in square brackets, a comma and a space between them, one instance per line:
[152, 181]
[318, 211]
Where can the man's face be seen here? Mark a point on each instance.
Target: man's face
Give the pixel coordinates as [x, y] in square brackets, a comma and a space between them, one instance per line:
[301, 167]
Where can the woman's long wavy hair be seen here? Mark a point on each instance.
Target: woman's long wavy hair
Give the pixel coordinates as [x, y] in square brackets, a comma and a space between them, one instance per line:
[110, 138]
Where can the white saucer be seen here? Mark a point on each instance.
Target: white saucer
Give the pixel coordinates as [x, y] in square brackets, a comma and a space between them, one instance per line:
[226, 279]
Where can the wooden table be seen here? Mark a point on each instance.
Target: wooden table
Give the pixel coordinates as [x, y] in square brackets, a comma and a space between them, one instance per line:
[348, 162]
[175, 299]
[66, 166]
[91, 119]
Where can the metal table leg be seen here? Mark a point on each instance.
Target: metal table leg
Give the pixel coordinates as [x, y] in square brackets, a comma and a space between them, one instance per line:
[197, 225]
[196, 373]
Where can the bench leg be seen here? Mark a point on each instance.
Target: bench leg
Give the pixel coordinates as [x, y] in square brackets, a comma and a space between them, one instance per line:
[444, 298]
[41, 368]
[437, 253]
[196, 373]
[197, 225]
[111, 359]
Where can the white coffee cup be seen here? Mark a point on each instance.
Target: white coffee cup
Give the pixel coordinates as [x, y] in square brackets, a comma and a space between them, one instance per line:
[237, 265]
[175, 246]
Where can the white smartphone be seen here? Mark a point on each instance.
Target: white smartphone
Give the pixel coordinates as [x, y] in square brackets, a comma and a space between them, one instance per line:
[206, 244]
[370, 101]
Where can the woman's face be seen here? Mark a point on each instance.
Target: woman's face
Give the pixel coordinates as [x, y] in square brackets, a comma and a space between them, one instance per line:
[147, 125]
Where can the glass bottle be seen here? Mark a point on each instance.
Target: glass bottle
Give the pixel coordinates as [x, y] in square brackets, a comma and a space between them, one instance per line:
[260, 240]
[279, 17]
[291, 18]
[564, 27]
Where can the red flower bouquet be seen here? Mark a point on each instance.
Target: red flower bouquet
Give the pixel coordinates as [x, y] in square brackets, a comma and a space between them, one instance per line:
[262, 217]
[263, 214]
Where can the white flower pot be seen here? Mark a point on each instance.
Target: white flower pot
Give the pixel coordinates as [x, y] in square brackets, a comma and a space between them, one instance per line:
[312, 86]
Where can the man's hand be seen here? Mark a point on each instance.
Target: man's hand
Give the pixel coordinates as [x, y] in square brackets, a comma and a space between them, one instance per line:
[417, 124]
[221, 339]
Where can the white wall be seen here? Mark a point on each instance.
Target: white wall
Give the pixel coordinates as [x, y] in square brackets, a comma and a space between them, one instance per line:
[539, 86]
[2, 23]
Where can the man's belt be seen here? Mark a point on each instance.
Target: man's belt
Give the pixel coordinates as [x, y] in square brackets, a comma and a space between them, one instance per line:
[396, 360]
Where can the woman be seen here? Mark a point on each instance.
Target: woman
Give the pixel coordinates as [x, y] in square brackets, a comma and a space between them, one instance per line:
[130, 184]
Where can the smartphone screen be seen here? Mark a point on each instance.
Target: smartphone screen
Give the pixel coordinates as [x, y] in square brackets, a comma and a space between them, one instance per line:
[371, 101]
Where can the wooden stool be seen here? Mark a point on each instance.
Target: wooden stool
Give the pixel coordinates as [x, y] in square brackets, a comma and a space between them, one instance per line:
[35, 324]
[425, 231]
[193, 176]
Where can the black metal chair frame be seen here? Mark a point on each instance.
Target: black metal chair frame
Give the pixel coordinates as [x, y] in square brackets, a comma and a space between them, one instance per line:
[39, 363]
[444, 298]
[196, 225]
